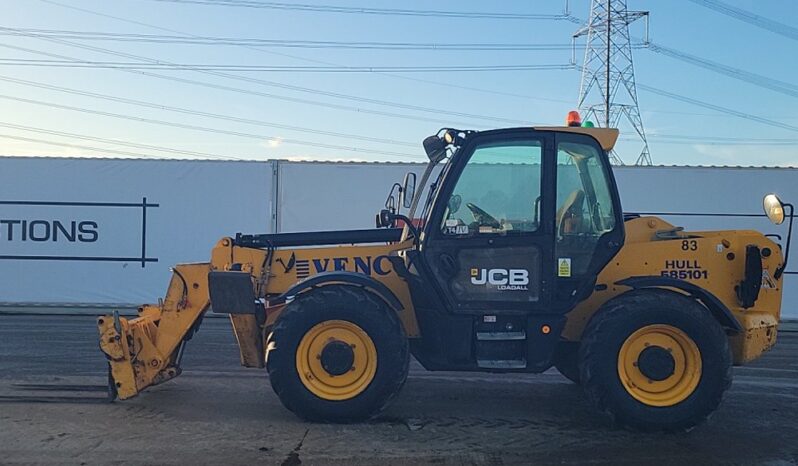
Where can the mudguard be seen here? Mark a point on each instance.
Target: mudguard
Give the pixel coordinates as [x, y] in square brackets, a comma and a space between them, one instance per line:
[710, 301]
[338, 278]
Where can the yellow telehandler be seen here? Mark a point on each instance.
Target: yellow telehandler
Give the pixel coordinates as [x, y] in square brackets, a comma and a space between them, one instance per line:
[519, 258]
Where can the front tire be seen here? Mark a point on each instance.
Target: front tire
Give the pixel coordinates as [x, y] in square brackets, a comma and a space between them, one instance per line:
[337, 354]
[655, 360]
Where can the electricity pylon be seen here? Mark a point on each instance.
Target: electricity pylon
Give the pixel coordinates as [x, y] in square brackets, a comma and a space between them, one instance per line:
[608, 91]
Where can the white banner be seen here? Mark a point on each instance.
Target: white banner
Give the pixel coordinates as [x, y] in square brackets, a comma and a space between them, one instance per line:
[107, 230]
[335, 196]
[95, 231]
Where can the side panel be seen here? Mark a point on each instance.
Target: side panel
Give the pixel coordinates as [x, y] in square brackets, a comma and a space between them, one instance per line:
[704, 261]
[289, 266]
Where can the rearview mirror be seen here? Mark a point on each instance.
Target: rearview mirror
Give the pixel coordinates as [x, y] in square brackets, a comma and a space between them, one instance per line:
[454, 203]
[774, 208]
[390, 203]
[409, 189]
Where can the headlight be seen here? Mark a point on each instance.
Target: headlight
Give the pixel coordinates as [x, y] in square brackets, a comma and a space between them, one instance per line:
[774, 208]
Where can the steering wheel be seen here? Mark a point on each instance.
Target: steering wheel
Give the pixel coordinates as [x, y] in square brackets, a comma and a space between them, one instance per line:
[482, 217]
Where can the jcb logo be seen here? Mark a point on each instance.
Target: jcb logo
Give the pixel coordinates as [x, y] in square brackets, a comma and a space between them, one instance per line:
[503, 279]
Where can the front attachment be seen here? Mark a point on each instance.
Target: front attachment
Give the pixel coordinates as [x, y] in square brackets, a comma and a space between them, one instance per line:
[147, 350]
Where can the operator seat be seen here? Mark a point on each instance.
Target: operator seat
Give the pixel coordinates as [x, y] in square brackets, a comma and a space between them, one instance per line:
[569, 215]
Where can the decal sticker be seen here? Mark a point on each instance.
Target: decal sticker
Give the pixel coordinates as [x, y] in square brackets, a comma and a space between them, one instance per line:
[489, 319]
[291, 262]
[451, 222]
[684, 270]
[767, 282]
[689, 245]
[457, 230]
[564, 267]
[502, 279]
[718, 247]
[366, 265]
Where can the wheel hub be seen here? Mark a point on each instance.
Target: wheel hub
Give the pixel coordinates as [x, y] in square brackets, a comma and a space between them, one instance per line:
[659, 365]
[337, 358]
[656, 363]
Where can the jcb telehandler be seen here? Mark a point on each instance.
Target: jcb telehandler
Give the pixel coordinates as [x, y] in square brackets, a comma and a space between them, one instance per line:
[518, 259]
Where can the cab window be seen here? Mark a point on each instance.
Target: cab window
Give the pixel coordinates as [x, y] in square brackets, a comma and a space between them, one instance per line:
[498, 191]
[584, 206]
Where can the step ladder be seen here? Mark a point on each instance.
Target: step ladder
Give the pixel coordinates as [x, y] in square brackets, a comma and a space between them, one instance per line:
[501, 342]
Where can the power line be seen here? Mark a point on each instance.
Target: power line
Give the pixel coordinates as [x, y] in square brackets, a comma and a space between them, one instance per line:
[217, 116]
[670, 139]
[259, 93]
[293, 69]
[372, 11]
[728, 139]
[114, 141]
[448, 85]
[78, 146]
[721, 110]
[271, 84]
[286, 43]
[736, 73]
[206, 129]
[718, 108]
[754, 19]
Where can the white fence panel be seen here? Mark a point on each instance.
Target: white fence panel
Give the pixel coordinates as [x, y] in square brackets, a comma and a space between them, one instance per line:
[81, 240]
[335, 196]
[101, 231]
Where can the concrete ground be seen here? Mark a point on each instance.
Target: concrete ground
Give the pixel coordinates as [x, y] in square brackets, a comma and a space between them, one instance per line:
[52, 410]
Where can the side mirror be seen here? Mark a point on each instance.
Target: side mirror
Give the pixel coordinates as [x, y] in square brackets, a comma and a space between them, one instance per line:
[408, 190]
[774, 208]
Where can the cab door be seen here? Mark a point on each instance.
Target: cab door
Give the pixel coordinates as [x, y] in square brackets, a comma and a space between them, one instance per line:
[588, 220]
[488, 242]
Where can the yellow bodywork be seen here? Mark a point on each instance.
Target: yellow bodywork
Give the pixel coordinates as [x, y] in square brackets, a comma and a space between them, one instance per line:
[145, 351]
[713, 260]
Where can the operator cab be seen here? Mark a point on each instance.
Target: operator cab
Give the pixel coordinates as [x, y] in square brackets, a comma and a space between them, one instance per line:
[515, 229]
[523, 219]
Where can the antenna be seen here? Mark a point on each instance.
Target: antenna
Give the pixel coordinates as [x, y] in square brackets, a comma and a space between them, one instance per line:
[607, 91]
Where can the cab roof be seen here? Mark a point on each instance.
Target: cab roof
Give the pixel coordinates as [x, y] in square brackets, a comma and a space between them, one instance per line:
[605, 136]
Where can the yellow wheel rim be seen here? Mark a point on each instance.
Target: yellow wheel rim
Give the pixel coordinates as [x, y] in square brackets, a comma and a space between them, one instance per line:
[674, 387]
[330, 386]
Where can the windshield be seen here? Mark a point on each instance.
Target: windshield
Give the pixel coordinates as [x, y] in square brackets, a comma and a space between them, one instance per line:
[498, 190]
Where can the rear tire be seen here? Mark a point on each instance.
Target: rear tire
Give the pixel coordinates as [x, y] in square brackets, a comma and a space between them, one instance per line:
[681, 378]
[335, 318]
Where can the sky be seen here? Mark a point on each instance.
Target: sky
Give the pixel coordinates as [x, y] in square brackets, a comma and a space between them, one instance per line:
[53, 110]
